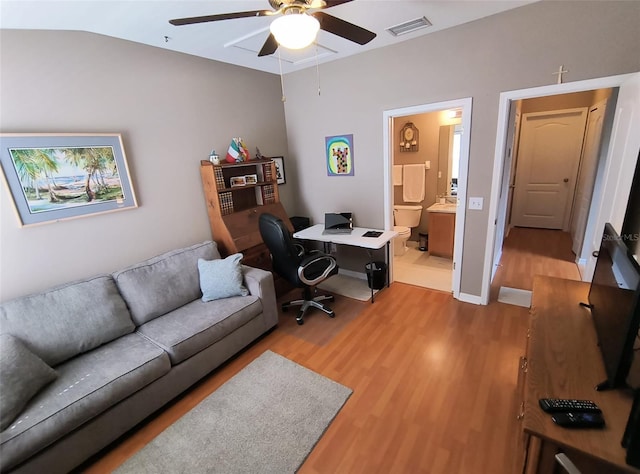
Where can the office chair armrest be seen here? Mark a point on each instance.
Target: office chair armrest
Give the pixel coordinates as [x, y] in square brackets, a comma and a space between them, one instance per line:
[299, 249]
[315, 258]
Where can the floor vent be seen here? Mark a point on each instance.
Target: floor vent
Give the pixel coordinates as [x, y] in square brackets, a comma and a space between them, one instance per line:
[409, 26]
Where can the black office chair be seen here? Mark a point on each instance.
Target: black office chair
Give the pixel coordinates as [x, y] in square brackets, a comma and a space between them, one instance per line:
[302, 270]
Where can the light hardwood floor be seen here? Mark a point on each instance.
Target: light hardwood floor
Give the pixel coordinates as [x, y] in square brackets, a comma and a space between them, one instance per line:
[433, 379]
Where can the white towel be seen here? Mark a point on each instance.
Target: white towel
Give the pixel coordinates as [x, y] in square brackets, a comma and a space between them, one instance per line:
[413, 183]
[397, 175]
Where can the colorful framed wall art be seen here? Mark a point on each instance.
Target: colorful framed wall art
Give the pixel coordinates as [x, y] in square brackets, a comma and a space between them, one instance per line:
[339, 155]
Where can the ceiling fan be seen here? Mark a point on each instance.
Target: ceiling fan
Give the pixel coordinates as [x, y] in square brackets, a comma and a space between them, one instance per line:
[297, 26]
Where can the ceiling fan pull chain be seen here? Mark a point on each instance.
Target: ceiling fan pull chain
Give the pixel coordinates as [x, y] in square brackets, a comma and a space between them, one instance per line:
[284, 98]
[317, 69]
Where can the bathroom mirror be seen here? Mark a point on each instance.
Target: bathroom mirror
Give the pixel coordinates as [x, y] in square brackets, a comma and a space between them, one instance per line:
[448, 159]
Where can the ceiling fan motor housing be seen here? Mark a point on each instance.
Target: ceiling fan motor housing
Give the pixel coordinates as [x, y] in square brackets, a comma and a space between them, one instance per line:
[278, 4]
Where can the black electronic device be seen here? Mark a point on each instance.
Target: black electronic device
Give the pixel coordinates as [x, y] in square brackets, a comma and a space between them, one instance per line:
[614, 299]
[338, 223]
[579, 420]
[564, 405]
[631, 438]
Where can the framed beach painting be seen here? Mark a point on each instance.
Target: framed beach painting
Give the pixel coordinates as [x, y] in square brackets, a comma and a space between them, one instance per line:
[52, 177]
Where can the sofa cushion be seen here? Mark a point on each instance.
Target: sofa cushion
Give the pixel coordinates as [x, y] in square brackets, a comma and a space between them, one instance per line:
[197, 325]
[86, 386]
[221, 278]
[163, 283]
[68, 320]
[22, 375]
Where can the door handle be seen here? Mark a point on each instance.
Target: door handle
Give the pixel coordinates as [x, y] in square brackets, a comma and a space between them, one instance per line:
[566, 180]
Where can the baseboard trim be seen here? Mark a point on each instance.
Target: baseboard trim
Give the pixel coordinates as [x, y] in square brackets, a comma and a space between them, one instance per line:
[467, 298]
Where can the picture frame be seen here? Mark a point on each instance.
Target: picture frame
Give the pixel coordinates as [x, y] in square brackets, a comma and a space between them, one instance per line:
[53, 177]
[280, 176]
[237, 181]
[339, 155]
[251, 179]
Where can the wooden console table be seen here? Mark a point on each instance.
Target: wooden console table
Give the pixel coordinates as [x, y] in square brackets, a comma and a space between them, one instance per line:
[563, 361]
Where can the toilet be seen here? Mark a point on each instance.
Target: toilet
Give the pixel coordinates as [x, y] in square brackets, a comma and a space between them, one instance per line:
[405, 217]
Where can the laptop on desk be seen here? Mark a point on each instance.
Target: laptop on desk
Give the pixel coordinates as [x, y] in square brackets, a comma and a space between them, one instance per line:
[338, 223]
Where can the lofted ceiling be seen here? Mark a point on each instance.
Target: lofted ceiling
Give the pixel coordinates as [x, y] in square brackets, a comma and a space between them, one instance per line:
[238, 41]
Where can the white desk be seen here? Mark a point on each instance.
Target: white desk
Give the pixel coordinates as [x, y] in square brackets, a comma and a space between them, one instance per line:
[355, 239]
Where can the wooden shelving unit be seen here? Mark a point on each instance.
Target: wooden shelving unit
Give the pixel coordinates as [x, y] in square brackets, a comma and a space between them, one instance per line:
[234, 210]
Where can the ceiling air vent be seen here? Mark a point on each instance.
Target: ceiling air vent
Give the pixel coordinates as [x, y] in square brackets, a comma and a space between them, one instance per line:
[409, 26]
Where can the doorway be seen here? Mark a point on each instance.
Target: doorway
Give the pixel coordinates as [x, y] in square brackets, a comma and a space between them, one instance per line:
[614, 171]
[454, 188]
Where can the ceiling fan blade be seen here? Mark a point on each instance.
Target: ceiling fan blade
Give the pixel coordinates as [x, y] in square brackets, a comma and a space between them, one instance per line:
[333, 3]
[343, 28]
[222, 16]
[269, 46]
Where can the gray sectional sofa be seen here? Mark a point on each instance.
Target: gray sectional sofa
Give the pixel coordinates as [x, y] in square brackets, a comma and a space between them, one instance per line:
[95, 357]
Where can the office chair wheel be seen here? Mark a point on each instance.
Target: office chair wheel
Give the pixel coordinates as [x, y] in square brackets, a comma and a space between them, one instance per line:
[332, 298]
[300, 321]
[332, 314]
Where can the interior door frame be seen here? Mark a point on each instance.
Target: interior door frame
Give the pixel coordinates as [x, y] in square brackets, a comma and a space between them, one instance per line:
[388, 132]
[505, 102]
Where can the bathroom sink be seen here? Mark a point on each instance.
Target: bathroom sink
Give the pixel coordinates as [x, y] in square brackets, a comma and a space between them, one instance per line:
[446, 207]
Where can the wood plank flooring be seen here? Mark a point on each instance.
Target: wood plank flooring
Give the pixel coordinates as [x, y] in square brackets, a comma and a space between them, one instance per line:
[433, 379]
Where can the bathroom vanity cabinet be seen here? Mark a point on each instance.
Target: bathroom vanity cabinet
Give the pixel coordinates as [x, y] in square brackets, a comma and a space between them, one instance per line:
[442, 227]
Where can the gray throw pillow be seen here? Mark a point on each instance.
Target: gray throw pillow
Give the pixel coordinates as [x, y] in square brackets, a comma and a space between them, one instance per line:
[221, 278]
[22, 375]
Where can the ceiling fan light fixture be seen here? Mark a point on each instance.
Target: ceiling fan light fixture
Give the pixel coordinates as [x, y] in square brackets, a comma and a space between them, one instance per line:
[295, 30]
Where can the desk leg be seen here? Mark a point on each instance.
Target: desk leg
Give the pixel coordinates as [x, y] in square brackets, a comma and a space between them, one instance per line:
[371, 270]
[388, 262]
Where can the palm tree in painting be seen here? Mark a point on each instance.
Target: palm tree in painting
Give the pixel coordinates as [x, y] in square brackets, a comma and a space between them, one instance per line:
[94, 161]
[33, 164]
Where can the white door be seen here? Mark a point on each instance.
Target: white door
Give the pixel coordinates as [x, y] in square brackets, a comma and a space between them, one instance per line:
[548, 159]
[506, 188]
[618, 168]
[587, 174]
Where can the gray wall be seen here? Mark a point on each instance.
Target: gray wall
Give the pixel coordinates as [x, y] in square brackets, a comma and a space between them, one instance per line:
[517, 49]
[171, 109]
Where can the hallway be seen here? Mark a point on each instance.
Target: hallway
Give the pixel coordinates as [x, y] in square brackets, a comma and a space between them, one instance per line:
[528, 252]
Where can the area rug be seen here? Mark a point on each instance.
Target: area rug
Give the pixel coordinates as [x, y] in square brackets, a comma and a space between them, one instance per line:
[348, 286]
[267, 419]
[514, 296]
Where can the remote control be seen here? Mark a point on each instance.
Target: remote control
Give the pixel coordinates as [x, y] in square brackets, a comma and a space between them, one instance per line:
[579, 420]
[564, 405]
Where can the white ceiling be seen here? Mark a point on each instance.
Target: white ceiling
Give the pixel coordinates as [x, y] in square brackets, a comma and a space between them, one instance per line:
[238, 41]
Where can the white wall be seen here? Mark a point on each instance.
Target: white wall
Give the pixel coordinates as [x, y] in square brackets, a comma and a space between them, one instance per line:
[171, 109]
[513, 50]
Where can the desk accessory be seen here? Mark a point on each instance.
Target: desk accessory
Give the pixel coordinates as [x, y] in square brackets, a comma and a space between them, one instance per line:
[564, 405]
[579, 420]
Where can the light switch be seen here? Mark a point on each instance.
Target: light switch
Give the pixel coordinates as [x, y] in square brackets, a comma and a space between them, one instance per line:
[476, 203]
[427, 164]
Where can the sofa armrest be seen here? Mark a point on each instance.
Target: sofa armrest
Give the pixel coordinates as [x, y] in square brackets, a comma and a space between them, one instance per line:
[260, 283]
